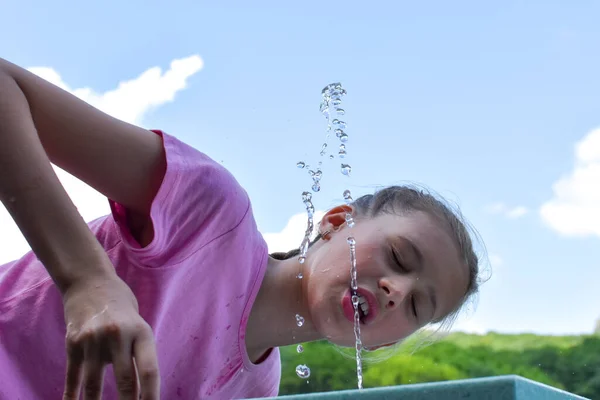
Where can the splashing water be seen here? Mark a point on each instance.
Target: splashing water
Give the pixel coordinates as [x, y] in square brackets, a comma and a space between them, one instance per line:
[355, 303]
[331, 110]
[310, 211]
[332, 96]
[336, 93]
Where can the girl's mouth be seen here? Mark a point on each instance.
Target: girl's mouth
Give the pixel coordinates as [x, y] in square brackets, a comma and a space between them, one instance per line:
[367, 305]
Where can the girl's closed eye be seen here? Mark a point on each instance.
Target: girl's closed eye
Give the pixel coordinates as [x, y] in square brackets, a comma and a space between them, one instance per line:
[402, 267]
[414, 307]
[398, 261]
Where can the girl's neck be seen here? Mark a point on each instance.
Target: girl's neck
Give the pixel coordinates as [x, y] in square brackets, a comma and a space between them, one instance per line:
[272, 321]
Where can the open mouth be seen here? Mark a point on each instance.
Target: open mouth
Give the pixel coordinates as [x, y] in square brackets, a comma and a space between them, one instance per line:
[363, 307]
[367, 306]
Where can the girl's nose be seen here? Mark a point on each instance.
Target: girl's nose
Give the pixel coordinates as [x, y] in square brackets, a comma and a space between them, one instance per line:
[393, 291]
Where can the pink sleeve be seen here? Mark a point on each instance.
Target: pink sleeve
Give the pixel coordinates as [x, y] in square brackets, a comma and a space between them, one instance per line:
[197, 202]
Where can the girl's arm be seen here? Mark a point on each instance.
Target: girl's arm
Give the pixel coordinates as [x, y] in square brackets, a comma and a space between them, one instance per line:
[40, 123]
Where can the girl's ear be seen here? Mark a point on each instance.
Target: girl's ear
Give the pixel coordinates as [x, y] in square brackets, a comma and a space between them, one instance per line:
[335, 218]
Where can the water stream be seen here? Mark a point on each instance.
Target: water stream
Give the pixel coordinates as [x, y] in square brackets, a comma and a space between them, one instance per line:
[331, 109]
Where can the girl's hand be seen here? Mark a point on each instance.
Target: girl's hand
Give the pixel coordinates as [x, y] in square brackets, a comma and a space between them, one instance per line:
[104, 327]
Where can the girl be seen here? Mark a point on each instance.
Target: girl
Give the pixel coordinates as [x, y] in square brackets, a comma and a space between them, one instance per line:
[174, 295]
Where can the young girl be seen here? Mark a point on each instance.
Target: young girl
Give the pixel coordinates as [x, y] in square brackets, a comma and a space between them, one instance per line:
[174, 294]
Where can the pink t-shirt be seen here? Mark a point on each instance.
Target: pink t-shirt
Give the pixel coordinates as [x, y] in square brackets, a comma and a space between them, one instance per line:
[195, 284]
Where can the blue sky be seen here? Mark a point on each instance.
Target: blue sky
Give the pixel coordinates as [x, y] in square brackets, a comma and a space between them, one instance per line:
[484, 103]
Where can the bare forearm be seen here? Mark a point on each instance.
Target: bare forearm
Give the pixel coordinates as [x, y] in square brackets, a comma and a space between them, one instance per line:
[36, 200]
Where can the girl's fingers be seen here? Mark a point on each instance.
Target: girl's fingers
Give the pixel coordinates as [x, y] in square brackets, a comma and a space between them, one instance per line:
[73, 376]
[144, 351]
[125, 374]
[93, 379]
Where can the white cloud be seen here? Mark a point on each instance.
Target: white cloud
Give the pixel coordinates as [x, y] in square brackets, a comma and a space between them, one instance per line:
[130, 101]
[292, 234]
[509, 212]
[574, 209]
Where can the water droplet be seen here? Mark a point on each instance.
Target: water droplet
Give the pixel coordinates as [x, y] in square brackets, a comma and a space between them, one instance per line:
[300, 164]
[303, 371]
[351, 241]
[323, 148]
[306, 196]
[301, 259]
[336, 102]
[346, 169]
[339, 123]
[340, 111]
[299, 320]
[347, 196]
[339, 132]
[300, 276]
[343, 138]
[331, 156]
[299, 349]
[316, 187]
[331, 86]
[349, 220]
[355, 300]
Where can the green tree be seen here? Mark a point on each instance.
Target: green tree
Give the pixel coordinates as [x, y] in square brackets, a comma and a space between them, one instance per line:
[568, 362]
[405, 369]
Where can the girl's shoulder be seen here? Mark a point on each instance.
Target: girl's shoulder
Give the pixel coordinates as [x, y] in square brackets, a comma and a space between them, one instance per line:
[198, 201]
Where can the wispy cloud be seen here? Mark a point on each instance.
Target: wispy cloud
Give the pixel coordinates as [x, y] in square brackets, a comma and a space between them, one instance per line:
[512, 212]
[574, 209]
[130, 101]
[291, 235]
[133, 98]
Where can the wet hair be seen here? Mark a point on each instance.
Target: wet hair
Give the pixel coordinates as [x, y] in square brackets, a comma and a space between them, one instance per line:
[405, 199]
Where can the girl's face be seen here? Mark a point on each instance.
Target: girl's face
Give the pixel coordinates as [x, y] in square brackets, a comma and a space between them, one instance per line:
[409, 274]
